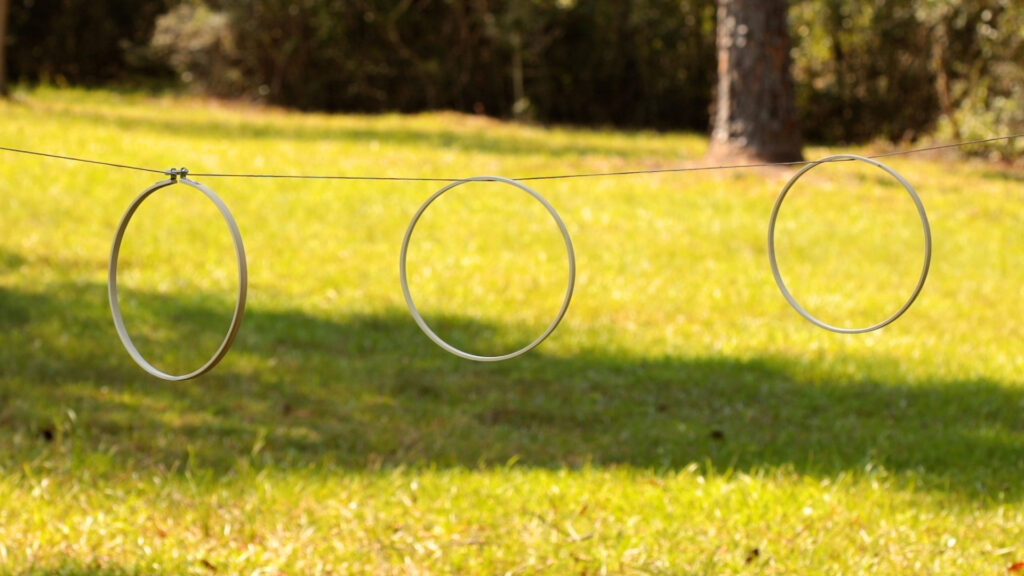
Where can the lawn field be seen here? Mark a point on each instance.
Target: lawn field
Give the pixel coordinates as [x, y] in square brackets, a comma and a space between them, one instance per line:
[682, 419]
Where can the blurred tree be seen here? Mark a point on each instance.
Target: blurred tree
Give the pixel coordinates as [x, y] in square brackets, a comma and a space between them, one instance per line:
[81, 41]
[865, 69]
[902, 70]
[978, 52]
[199, 45]
[641, 63]
[755, 113]
[862, 69]
[5, 6]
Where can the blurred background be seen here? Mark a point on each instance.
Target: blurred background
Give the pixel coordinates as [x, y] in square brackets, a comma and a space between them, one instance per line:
[894, 70]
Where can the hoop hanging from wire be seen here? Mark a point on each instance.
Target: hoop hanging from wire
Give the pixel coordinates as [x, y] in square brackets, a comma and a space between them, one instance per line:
[115, 306]
[412, 305]
[924, 225]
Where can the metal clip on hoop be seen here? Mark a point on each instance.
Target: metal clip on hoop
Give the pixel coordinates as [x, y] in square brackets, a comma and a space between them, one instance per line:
[775, 265]
[176, 176]
[419, 318]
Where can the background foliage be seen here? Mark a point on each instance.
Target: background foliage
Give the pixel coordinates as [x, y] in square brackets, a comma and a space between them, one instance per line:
[893, 69]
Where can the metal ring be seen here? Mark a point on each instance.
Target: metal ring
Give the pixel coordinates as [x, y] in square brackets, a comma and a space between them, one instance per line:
[115, 307]
[924, 224]
[419, 318]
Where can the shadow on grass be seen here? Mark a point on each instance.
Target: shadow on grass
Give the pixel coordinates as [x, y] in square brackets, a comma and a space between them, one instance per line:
[364, 391]
[10, 262]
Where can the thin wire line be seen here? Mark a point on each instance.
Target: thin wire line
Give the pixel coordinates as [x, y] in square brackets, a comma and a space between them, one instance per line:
[663, 170]
[768, 164]
[85, 160]
[324, 177]
[552, 177]
[944, 146]
[549, 177]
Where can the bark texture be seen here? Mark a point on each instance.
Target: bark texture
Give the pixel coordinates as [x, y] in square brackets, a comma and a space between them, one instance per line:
[755, 114]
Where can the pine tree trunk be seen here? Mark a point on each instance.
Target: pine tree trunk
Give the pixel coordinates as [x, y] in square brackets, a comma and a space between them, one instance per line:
[755, 113]
[4, 10]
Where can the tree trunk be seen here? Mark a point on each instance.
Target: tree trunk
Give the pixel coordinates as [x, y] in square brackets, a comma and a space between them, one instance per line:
[755, 114]
[4, 9]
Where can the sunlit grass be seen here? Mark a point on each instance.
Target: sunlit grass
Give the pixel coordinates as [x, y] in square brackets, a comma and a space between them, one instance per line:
[682, 419]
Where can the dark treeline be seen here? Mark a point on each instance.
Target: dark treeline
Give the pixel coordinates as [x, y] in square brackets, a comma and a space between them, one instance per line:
[889, 68]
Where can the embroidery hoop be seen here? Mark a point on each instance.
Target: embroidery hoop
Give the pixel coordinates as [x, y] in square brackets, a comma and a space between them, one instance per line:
[775, 265]
[115, 307]
[416, 313]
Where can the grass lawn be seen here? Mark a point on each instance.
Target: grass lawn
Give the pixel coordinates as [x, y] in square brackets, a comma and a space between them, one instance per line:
[682, 419]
